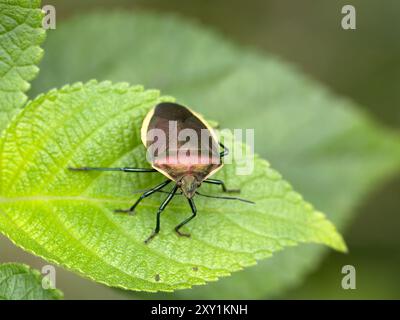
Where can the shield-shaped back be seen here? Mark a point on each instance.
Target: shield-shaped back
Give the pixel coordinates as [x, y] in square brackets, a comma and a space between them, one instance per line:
[180, 142]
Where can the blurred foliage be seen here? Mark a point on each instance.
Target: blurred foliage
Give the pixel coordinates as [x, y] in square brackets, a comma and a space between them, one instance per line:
[377, 276]
[362, 64]
[339, 157]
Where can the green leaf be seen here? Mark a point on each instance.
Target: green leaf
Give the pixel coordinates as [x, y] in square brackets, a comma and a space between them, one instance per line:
[67, 217]
[21, 34]
[332, 152]
[20, 282]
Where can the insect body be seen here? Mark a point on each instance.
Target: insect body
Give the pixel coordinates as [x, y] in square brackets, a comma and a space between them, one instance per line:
[183, 147]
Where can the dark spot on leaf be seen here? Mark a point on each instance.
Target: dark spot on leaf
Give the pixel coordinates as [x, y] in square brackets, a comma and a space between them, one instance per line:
[157, 277]
[195, 268]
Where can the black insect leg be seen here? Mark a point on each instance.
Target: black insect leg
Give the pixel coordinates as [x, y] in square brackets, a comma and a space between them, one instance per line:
[145, 195]
[222, 184]
[160, 210]
[194, 212]
[223, 153]
[126, 169]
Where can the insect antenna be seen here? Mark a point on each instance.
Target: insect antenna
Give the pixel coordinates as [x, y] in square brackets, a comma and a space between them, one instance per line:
[224, 197]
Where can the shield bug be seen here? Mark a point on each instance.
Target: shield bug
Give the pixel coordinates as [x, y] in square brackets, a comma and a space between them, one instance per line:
[184, 148]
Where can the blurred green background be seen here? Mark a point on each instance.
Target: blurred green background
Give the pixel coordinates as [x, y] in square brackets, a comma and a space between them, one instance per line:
[363, 65]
